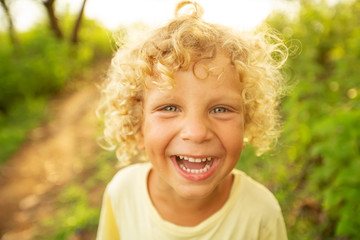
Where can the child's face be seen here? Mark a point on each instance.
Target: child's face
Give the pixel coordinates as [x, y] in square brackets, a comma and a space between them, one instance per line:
[198, 120]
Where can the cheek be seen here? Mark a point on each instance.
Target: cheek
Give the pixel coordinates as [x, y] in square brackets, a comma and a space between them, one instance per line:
[151, 126]
[235, 144]
[232, 137]
[156, 133]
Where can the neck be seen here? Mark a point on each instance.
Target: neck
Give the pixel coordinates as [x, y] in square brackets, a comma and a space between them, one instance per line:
[187, 211]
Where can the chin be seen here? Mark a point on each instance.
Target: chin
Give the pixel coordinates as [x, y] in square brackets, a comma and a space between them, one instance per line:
[194, 192]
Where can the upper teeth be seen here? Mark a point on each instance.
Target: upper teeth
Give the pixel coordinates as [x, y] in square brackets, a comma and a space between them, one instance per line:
[190, 159]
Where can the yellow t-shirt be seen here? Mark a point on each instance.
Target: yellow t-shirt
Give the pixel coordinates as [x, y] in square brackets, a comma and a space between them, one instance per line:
[250, 213]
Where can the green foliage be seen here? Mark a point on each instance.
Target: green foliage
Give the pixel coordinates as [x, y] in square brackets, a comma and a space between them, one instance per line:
[75, 212]
[15, 125]
[35, 70]
[320, 147]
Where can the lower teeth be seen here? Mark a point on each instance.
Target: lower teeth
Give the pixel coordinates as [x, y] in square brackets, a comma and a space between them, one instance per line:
[202, 170]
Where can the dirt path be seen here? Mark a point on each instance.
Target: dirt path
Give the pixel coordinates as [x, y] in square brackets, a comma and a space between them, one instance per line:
[50, 158]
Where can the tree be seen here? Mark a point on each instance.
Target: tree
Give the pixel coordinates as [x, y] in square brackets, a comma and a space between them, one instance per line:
[74, 36]
[11, 28]
[55, 28]
[54, 25]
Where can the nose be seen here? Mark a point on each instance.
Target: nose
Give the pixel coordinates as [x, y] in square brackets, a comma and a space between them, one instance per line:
[196, 129]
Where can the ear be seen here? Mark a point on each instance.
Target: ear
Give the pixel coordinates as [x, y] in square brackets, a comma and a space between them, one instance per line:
[245, 141]
[141, 144]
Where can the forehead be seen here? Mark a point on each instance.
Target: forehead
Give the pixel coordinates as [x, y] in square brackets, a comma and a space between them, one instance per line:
[218, 68]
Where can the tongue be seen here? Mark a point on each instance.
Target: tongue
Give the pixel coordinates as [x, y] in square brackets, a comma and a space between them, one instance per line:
[194, 165]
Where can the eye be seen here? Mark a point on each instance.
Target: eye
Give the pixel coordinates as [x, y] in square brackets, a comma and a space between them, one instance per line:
[219, 110]
[170, 108]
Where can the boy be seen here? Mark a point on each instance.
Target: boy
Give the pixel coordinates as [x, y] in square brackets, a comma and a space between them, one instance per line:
[184, 100]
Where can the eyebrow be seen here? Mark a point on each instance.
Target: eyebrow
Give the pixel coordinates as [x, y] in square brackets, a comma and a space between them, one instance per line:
[164, 95]
[229, 98]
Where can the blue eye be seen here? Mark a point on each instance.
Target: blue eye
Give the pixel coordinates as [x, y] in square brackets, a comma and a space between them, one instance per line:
[170, 109]
[219, 110]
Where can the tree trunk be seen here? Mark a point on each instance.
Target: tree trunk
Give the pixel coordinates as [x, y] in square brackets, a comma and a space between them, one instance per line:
[75, 33]
[11, 27]
[49, 5]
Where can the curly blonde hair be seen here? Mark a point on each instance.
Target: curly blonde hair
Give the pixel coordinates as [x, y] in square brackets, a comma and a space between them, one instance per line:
[257, 57]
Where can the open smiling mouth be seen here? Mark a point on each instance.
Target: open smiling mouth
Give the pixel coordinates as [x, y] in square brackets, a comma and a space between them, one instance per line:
[194, 165]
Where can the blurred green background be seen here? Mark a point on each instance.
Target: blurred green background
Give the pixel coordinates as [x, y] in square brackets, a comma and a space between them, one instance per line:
[314, 169]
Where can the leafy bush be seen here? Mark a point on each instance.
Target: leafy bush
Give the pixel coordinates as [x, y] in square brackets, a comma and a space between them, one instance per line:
[76, 213]
[37, 69]
[320, 147]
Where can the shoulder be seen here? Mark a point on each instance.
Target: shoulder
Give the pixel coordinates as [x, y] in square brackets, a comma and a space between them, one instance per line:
[127, 179]
[261, 201]
[260, 206]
